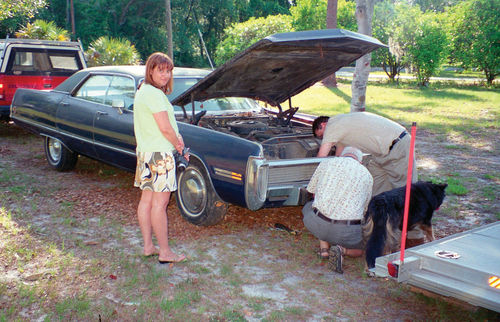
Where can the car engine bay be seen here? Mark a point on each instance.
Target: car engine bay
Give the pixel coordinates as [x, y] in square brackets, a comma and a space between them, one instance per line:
[280, 138]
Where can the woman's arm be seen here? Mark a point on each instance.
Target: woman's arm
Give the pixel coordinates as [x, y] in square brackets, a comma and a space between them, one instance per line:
[167, 130]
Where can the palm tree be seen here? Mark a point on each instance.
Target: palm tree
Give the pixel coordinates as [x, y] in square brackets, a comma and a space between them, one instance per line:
[41, 29]
[111, 51]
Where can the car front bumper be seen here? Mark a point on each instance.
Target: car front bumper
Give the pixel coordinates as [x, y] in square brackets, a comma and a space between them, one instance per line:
[278, 182]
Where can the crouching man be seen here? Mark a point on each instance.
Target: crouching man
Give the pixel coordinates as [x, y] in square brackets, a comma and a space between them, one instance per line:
[342, 189]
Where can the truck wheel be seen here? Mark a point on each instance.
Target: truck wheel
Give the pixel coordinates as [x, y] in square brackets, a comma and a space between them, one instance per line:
[197, 201]
[58, 156]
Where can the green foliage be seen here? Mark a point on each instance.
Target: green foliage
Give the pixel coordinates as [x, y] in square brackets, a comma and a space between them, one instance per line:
[143, 23]
[111, 51]
[403, 22]
[474, 27]
[181, 300]
[346, 15]
[434, 5]
[384, 17]
[309, 14]
[41, 29]
[418, 41]
[11, 8]
[261, 8]
[77, 307]
[429, 48]
[241, 35]
[475, 33]
[455, 187]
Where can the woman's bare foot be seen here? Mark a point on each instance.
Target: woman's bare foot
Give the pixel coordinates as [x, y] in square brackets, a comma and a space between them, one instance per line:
[173, 258]
[151, 252]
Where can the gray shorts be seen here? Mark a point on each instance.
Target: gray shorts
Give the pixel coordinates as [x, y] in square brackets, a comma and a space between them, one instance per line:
[349, 236]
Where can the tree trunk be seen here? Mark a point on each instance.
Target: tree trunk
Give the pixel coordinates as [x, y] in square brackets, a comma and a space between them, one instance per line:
[364, 14]
[72, 13]
[331, 23]
[170, 51]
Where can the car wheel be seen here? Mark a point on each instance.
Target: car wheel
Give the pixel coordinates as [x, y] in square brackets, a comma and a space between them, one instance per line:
[197, 201]
[58, 156]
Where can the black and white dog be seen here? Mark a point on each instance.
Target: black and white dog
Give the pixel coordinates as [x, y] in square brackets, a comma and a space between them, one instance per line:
[383, 220]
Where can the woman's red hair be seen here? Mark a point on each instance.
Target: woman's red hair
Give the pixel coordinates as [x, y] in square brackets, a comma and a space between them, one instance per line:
[161, 61]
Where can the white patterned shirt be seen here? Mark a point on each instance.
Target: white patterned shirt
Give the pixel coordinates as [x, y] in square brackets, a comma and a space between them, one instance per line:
[342, 188]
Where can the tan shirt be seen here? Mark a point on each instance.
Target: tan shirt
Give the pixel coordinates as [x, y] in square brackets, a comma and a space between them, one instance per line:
[342, 188]
[371, 133]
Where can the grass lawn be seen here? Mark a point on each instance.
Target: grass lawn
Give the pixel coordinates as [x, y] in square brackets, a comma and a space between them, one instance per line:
[442, 109]
[466, 74]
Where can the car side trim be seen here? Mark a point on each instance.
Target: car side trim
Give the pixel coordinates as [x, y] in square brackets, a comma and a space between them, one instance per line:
[69, 135]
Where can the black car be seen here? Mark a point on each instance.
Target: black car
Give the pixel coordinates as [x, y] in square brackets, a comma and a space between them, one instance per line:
[241, 152]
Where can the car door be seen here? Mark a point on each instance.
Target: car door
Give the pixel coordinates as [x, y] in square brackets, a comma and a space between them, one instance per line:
[76, 113]
[114, 138]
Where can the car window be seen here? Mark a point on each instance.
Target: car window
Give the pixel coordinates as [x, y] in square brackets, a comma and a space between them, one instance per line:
[121, 88]
[216, 104]
[227, 104]
[181, 85]
[94, 89]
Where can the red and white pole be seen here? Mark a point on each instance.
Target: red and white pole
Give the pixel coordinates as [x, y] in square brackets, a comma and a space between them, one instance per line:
[408, 191]
[393, 268]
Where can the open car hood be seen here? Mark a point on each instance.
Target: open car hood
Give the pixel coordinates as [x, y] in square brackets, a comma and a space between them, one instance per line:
[281, 66]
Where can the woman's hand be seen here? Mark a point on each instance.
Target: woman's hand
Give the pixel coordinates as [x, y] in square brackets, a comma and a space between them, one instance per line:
[180, 147]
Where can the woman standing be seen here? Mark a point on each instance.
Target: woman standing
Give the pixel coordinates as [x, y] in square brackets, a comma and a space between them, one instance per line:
[157, 137]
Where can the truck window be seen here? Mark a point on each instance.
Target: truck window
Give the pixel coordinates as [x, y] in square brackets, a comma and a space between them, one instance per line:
[24, 59]
[29, 61]
[63, 62]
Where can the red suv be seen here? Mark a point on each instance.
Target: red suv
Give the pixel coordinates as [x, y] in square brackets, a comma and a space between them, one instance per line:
[38, 64]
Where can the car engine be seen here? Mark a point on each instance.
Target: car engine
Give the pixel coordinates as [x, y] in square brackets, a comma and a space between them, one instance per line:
[281, 139]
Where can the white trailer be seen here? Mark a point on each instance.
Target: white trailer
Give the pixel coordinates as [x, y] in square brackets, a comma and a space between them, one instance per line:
[464, 266]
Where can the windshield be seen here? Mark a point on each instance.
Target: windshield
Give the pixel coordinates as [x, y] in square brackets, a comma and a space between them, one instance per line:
[224, 104]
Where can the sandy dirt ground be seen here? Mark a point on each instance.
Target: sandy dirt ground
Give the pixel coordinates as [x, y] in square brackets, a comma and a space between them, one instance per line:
[242, 268]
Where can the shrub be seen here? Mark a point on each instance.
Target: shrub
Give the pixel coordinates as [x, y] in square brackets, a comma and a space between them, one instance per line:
[41, 29]
[239, 36]
[111, 51]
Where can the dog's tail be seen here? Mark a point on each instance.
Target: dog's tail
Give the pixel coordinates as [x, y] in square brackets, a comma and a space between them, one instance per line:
[375, 224]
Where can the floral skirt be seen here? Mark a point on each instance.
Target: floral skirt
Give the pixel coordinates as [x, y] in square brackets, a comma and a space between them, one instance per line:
[155, 171]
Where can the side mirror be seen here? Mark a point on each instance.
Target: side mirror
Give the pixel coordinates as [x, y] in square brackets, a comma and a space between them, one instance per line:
[119, 104]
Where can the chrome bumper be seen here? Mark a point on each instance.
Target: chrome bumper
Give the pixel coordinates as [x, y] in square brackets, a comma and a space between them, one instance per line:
[282, 181]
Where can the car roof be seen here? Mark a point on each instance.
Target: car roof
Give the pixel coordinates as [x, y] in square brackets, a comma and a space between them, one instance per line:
[282, 65]
[136, 71]
[139, 70]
